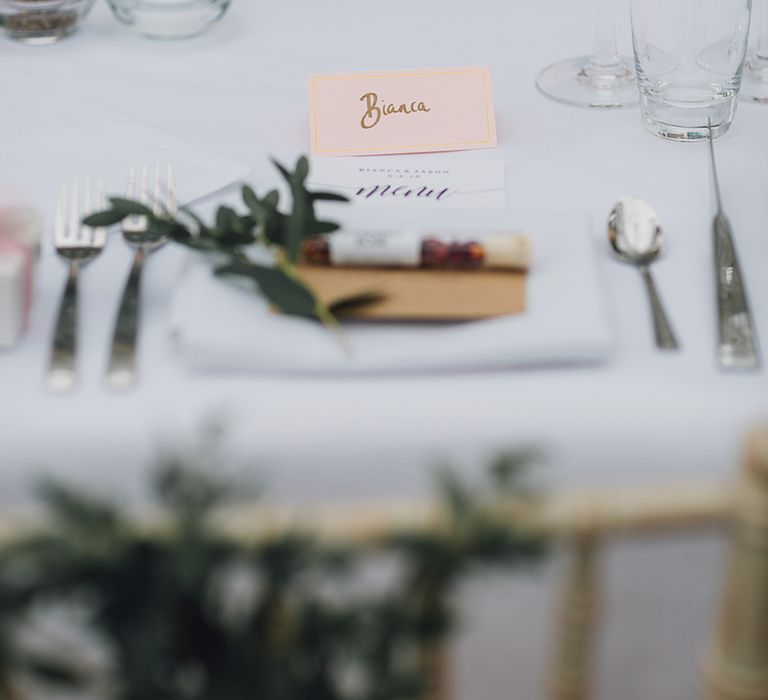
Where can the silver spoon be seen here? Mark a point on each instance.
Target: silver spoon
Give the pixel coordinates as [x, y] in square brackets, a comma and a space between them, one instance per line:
[637, 238]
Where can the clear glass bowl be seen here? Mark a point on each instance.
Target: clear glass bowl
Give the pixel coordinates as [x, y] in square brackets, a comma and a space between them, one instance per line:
[169, 19]
[42, 21]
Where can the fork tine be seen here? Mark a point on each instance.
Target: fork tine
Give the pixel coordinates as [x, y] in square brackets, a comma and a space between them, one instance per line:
[144, 195]
[85, 233]
[60, 223]
[100, 234]
[170, 192]
[130, 188]
[74, 213]
[87, 195]
[157, 206]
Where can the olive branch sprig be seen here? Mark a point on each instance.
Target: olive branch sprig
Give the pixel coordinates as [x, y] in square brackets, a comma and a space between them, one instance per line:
[232, 236]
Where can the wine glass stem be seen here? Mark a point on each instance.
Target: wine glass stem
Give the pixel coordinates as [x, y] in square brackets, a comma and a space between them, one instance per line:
[606, 55]
[761, 50]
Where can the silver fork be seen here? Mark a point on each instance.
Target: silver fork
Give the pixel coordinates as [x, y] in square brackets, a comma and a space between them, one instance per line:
[78, 245]
[122, 372]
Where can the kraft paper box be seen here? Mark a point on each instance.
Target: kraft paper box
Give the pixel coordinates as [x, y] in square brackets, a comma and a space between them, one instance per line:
[422, 295]
[419, 111]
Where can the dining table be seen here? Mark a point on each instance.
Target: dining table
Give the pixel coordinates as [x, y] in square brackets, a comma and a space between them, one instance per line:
[235, 96]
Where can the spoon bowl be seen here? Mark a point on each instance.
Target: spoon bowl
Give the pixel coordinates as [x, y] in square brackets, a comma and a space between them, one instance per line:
[634, 232]
[637, 238]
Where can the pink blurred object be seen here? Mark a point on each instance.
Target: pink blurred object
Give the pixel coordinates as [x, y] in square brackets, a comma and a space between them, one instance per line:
[20, 232]
[21, 223]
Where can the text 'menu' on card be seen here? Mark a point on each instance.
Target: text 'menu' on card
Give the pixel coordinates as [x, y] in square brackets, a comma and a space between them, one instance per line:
[419, 111]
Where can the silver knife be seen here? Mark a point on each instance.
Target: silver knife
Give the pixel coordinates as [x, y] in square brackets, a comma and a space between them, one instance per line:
[737, 343]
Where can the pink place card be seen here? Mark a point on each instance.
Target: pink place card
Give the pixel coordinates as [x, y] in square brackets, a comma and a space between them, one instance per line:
[418, 111]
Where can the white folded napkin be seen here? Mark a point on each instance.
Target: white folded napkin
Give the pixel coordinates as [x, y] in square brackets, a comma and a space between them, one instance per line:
[220, 326]
[50, 136]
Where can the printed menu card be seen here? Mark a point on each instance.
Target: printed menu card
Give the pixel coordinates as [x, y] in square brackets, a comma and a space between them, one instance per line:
[415, 182]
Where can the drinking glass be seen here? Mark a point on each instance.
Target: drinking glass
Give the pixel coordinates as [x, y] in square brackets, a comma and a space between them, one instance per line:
[603, 79]
[754, 82]
[689, 57]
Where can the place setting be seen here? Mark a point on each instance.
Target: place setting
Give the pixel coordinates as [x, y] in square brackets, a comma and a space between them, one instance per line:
[392, 247]
[321, 322]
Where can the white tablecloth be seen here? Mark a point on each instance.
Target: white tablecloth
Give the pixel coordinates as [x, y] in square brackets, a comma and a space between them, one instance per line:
[240, 92]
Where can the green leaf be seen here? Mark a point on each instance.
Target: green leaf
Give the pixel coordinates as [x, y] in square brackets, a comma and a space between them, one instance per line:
[355, 301]
[226, 219]
[237, 238]
[297, 227]
[173, 230]
[248, 195]
[317, 228]
[283, 171]
[259, 210]
[271, 223]
[302, 170]
[104, 218]
[130, 208]
[275, 227]
[271, 199]
[286, 293]
[265, 212]
[328, 197]
[302, 222]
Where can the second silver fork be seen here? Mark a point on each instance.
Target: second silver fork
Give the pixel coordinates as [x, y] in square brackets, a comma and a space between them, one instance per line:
[122, 371]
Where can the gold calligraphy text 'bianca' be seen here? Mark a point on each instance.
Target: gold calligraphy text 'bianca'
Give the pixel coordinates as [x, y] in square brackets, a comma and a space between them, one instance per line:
[374, 112]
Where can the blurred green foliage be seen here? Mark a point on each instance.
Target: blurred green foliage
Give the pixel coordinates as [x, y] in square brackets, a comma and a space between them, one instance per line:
[186, 613]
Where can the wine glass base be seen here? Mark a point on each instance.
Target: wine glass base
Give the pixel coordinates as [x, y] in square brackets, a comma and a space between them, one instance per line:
[579, 82]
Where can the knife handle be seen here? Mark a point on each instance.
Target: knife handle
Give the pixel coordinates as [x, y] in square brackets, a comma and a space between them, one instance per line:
[737, 347]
